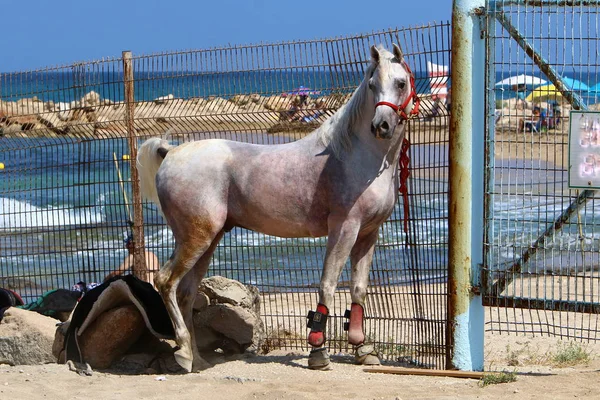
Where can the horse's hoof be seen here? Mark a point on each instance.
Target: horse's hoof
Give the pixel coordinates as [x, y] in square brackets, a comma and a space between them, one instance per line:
[183, 360]
[365, 355]
[318, 359]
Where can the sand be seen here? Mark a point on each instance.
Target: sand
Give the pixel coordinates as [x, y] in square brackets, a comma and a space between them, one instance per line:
[283, 375]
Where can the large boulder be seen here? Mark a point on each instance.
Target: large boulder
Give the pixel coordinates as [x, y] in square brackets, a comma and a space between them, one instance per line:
[90, 99]
[106, 339]
[227, 316]
[228, 291]
[26, 338]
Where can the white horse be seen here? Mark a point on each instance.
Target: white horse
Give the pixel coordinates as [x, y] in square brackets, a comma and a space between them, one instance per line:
[340, 181]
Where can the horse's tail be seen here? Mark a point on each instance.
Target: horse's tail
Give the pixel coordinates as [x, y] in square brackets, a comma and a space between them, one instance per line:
[150, 156]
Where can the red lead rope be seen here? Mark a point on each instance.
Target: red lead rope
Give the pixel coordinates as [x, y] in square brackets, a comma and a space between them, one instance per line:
[404, 164]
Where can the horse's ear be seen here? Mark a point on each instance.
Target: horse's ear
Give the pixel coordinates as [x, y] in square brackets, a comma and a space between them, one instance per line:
[374, 54]
[398, 52]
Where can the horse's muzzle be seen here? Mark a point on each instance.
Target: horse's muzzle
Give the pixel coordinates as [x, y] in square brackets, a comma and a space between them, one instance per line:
[382, 130]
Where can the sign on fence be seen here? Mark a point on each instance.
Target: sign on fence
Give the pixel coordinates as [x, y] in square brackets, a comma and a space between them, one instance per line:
[584, 150]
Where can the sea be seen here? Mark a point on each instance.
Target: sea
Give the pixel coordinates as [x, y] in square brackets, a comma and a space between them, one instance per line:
[70, 86]
[63, 210]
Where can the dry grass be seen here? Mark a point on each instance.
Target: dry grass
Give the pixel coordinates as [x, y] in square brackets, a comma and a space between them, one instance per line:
[571, 354]
[494, 378]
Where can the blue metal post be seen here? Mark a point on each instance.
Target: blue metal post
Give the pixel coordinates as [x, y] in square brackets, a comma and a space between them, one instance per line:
[466, 192]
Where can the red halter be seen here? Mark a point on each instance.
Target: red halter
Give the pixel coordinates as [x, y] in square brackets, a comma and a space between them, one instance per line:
[401, 109]
[404, 156]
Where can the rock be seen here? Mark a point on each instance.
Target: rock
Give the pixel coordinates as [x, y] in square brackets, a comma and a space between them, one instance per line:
[91, 99]
[12, 129]
[110, 336]
[102, 122]
[240, 99]
[207, 339]
[201, 302]
[227, 316]
[52, 122]
[29, 106]
[228, 291]
[28, 126]
[26, 338]
[64, 111]
[235, 323]
[21, 119]
[163, 99]
[278, 103]
[58, 345]
[146, 347]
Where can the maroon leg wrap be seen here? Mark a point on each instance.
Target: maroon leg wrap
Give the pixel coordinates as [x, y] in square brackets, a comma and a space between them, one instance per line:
[316, 337]
[356, 335]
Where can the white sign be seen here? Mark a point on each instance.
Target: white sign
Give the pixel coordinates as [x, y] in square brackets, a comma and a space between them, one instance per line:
[584, 150]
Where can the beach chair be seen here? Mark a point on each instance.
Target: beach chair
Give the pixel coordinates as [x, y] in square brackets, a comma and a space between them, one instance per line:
[532, 126]
[535, 125]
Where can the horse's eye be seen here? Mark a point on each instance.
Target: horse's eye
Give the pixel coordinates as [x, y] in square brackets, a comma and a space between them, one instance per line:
[371, 84]
[400, 84]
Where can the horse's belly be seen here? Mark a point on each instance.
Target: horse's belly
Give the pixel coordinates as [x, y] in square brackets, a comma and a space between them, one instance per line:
[283, 227]
[291, 232]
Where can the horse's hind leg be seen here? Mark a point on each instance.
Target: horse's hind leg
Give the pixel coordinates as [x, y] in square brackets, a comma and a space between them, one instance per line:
[361, 258]
[342, 235]
[167, 280]
[186, 294]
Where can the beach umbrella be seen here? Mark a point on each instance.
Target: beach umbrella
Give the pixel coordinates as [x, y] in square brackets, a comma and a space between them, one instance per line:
[303, 91]
[521, 80]
[544, 93]
[574, 84]
[595, 89]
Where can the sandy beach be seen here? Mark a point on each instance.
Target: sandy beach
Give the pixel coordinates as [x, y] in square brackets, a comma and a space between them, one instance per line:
[283, 374]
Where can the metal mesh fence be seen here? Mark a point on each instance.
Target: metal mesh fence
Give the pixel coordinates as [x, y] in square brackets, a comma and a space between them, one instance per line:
[66, 194]
[542, 244]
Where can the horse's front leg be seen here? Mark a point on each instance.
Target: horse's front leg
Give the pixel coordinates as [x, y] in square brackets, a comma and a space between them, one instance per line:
[341, 238]
[361, 258]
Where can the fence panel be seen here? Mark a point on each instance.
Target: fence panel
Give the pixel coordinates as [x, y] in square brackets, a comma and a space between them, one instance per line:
[542, 244]
[66, 187]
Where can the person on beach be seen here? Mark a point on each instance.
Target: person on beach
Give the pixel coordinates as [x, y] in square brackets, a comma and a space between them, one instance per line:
[534, 123]
[147, 275]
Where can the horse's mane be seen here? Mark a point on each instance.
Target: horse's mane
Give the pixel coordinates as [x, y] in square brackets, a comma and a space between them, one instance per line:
[335, 134]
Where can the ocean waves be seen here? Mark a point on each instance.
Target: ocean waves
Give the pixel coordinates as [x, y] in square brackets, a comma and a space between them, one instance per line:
[18, 215]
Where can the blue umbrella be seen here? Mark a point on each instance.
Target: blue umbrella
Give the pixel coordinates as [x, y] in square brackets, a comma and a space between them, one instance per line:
[574, 84]
[595, 88]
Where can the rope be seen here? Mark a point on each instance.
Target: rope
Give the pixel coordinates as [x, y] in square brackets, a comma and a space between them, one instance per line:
[404, 164]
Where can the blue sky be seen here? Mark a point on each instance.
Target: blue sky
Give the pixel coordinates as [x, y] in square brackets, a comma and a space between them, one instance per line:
[40, 33]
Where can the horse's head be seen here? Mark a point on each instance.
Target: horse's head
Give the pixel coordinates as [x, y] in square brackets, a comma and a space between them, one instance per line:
[393, 87]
